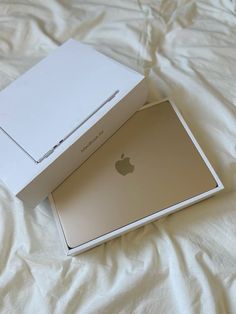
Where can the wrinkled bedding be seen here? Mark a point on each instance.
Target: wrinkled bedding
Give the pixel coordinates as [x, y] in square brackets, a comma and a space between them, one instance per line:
[183, 263]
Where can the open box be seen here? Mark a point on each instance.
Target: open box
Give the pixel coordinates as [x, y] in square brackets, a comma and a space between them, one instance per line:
[96, 204]
[57, 113]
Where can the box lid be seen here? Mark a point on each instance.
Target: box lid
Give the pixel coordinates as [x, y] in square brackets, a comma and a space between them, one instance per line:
[49, 113]
[41, 107]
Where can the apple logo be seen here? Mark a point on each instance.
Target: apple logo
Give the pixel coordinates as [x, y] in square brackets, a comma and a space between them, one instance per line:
[123, 166]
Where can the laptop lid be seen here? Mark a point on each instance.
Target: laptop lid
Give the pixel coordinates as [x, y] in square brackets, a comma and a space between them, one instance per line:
[149, 164]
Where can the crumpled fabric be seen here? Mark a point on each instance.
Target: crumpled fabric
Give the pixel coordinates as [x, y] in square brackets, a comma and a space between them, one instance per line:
[183, 263]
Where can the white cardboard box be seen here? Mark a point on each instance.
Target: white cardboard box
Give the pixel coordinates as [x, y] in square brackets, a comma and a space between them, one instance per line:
[136, 224]
[56, 114]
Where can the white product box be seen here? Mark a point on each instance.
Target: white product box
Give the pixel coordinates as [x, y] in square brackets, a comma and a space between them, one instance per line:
[152, 217]
[56, 114]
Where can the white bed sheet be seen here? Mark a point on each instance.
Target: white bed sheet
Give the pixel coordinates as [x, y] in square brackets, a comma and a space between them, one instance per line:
[184, 263]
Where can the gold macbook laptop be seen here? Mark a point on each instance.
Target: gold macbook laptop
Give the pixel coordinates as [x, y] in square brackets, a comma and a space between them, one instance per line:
[151, 163]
